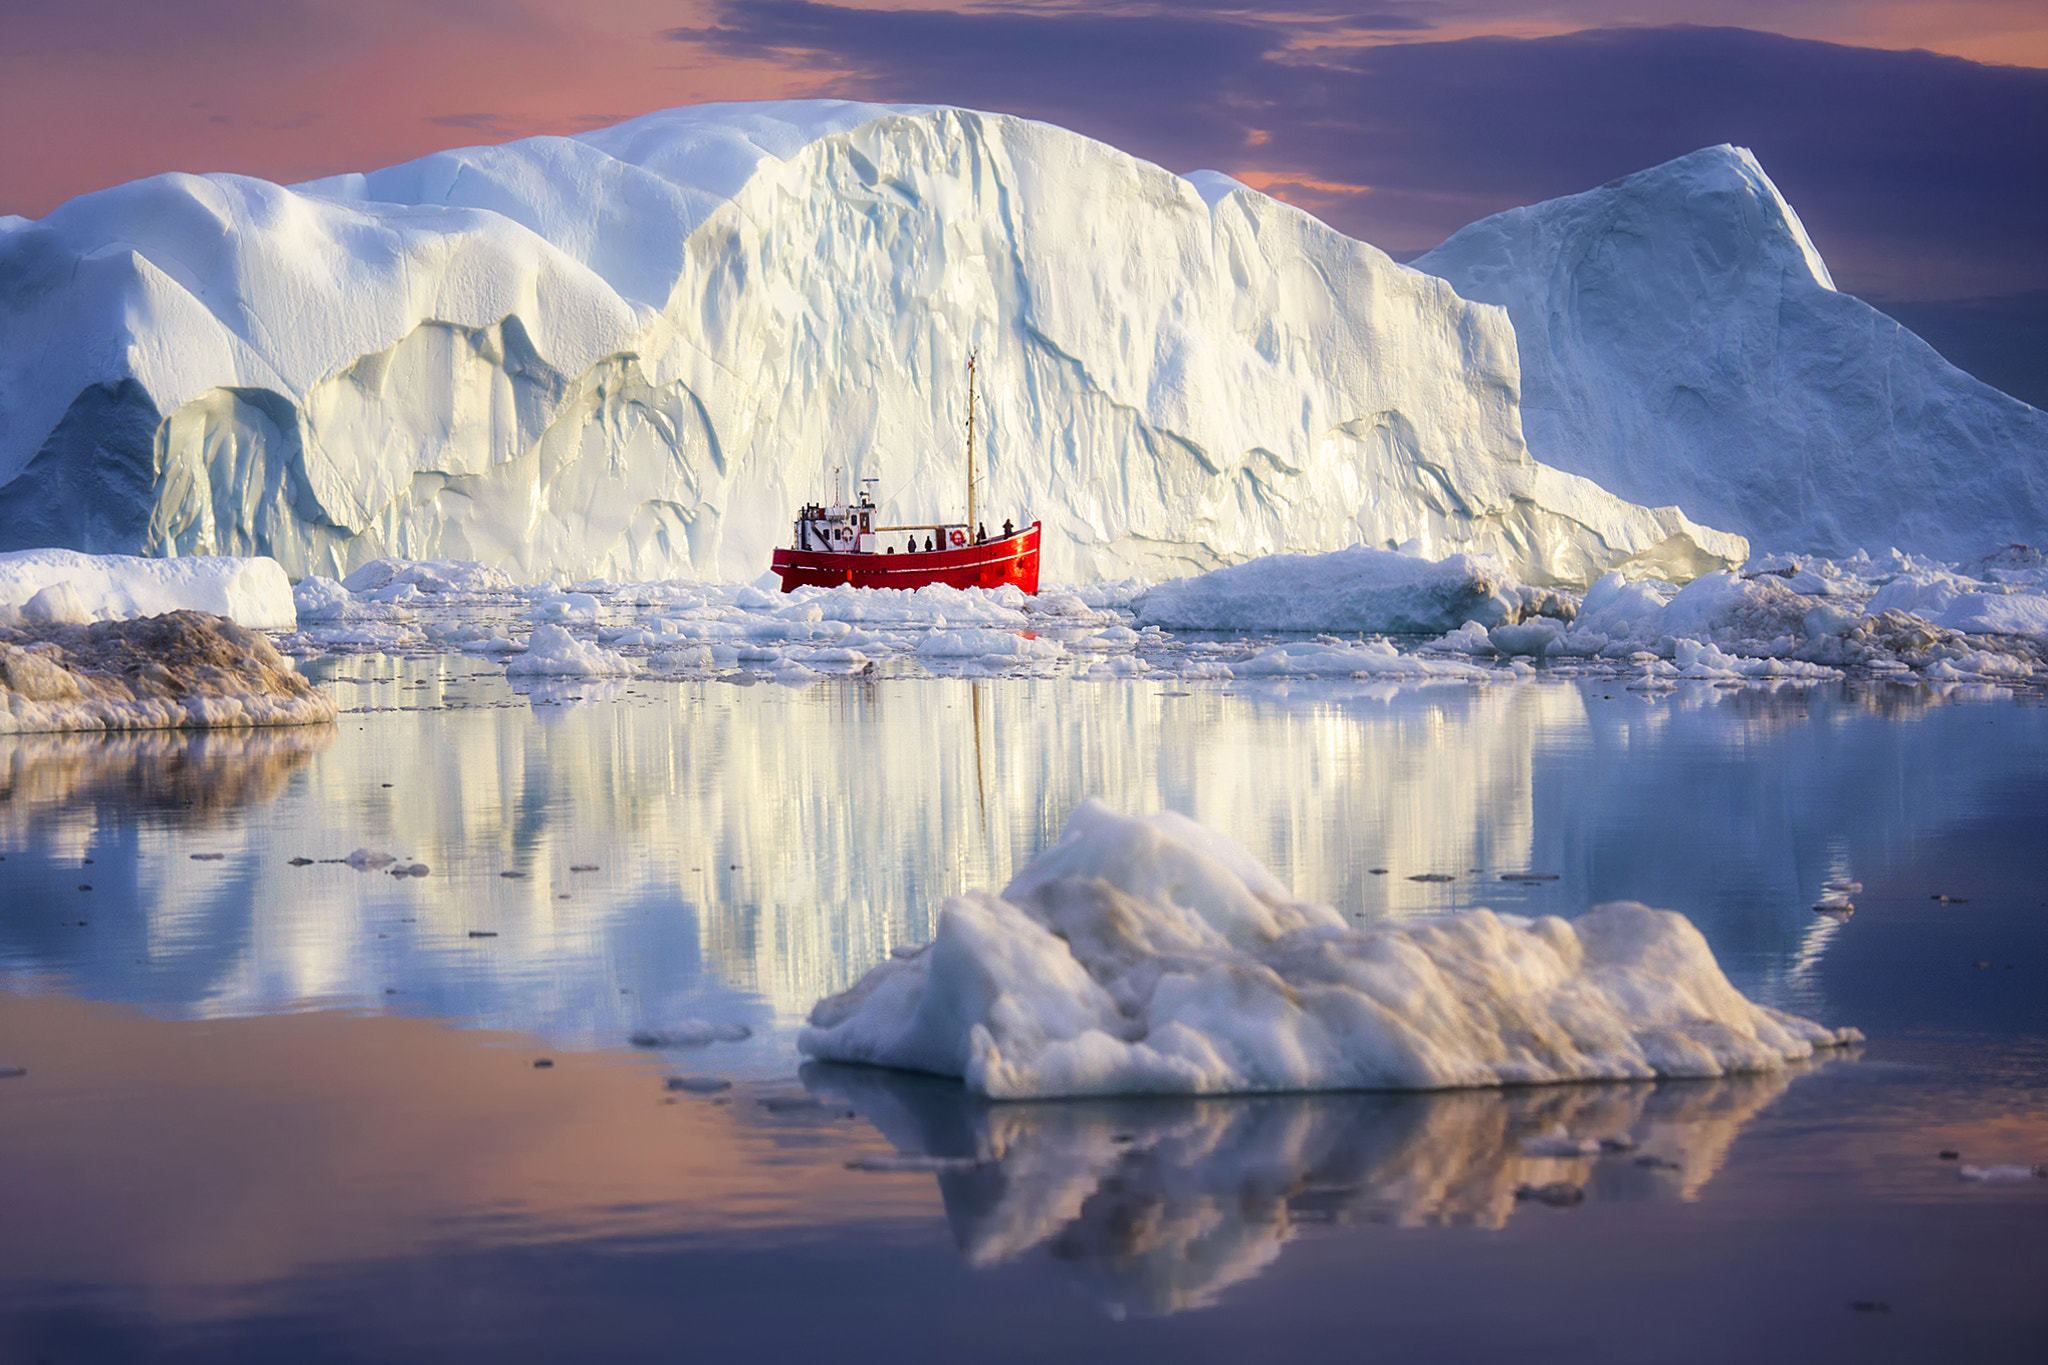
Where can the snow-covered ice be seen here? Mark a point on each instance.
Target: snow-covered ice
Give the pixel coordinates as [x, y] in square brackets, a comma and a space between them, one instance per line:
[1682, 342]
[635, 351]
[1152, 955]
[66, 587]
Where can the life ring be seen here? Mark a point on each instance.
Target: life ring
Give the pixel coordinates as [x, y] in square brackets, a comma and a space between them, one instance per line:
[958, 538]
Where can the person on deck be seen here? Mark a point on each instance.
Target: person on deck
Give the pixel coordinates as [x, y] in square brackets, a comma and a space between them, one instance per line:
[927, 544]
[1009, 528]
[980, 534]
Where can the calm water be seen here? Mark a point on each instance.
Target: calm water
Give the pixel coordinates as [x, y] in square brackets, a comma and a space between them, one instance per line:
[290, 1111]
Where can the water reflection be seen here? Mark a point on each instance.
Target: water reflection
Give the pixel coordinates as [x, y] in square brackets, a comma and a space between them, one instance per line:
[676, 851]
[1156, 1206]
[185, 777]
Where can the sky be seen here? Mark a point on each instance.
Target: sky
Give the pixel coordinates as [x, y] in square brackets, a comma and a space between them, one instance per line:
[1912, 136]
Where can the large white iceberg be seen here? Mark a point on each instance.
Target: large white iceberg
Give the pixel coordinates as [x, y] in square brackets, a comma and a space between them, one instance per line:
[635, 352]
[1682, 342]
[1155, 956]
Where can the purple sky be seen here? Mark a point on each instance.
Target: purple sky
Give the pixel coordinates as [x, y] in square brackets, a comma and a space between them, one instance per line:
[1911, 136]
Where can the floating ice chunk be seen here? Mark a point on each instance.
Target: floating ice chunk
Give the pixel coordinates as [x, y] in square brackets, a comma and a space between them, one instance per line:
[384, 578]
[2002, 1175]
[578, 607]
[59, 604]
[250, 592]
[554, 652]
[319, 599]
[1963, 604]
[1372, 659]
[1152, 955]
[1556, 1142]
[1119, 666]
[988, 644]
[1358, 589]
[684, 659]
[1532, 638]
[692, 1033]
[1470, 638]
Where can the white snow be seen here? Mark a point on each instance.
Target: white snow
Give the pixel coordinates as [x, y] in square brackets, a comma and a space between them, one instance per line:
[1359, 589]
[67, 587]
[1682, 342]
[552, 652]
[1153, 955]
[634, 352]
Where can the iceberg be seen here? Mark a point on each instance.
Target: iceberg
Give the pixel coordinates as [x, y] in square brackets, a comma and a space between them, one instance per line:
[634, 352]
[1151, 955]
[1682, 341]
[66, 587]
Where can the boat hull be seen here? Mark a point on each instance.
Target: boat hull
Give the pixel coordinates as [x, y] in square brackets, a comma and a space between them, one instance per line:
[1011, 559]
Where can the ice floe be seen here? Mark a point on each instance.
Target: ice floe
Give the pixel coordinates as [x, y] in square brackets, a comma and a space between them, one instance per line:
[65, 587]
[1784, 621]
[552, 652]
[1152, 955]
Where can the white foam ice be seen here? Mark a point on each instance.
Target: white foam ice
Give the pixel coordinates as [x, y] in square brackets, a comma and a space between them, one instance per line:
[1151, 955]
[69, 588]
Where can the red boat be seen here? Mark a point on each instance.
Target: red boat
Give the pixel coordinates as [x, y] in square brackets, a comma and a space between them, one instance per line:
[841, 543]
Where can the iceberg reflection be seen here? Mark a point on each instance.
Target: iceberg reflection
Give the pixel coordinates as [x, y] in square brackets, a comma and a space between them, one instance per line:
[1156, 1206]
[757, 848]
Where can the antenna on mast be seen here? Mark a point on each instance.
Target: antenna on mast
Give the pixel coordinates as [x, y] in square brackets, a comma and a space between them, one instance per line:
[972, 357]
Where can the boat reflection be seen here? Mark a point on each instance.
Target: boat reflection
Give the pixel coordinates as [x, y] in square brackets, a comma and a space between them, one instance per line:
[1156, 1206]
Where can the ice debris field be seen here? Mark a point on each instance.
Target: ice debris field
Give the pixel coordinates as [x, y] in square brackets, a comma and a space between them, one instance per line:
[1355, 614]
[1155, 956]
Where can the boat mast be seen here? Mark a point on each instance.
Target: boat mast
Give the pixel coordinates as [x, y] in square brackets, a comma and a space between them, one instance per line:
[971, 358]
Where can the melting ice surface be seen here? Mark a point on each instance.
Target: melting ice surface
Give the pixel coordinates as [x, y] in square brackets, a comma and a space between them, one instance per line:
[1147, 955]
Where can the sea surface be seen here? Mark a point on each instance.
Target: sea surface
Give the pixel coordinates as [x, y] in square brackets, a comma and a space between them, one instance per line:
[275, 1104]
